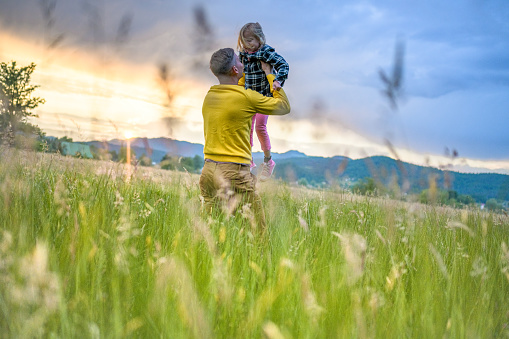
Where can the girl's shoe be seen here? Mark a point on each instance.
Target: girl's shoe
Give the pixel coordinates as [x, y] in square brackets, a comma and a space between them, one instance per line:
[267, 169]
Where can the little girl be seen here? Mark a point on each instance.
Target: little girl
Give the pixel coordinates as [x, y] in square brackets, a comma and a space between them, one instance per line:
[253, 49]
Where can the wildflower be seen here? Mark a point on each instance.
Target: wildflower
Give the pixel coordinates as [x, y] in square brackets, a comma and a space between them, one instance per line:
[132, 325]
[464, 216]
[460, 251]
[256, 268]
[161, 201]
[322, 221]
[457, 224]
[241, 294]
[119, 200]
[354, 250]
[309, 299]
[32, 291]
[6, 242]
[202, 230]
[397, 271]
[439, 260]
[504, 259]
[484, 225]
[224, 288]
[222, 234]
[272, 331]
[145, 213]
[247, 213]
[380, 236]
[94, 330]
[376, 301]
[479, 268]
[303, 222]
[285, 262]
[360, 216]
[125, 232]
[61, 199]
[173, 274]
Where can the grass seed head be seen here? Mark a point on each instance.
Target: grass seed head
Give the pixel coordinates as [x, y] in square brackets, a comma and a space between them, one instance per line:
[354, 248]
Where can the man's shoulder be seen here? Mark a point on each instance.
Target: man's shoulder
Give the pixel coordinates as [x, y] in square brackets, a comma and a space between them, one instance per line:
[229, 90]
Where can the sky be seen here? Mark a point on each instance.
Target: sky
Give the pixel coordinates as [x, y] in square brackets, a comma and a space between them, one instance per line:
[100, 62]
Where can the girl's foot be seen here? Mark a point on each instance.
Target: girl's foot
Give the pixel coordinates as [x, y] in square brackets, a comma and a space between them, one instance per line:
[267, 169]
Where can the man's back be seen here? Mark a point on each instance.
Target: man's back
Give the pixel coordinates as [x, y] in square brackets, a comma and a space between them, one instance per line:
[227, 114]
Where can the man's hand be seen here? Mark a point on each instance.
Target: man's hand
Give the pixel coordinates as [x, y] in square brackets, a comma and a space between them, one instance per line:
[267, 68]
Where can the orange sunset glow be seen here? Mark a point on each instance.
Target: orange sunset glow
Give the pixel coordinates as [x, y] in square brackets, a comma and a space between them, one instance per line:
[87, 98]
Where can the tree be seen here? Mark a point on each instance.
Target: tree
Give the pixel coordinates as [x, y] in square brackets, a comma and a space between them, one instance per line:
[366, 186]
[466, 199]
[302, 182]
[173, 162]
[16, 101]
[169, 162]
[493, 205]
[122, 155]
[197, 163]
[145, 160]
[187, 164]
[113, 155]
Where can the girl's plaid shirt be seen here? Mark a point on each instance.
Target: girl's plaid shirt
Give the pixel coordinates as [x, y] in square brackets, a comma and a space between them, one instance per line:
[254, 74]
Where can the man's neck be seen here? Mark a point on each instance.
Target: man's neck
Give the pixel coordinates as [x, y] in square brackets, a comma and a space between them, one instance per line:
[228, 80]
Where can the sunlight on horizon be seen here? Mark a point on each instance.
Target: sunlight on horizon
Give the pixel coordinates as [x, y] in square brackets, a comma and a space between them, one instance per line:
[128, 134]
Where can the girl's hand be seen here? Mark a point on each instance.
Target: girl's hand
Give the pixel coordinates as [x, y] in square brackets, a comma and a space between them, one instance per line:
[276, 86]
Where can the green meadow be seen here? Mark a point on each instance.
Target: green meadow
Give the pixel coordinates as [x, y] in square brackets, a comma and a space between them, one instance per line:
[92, 249]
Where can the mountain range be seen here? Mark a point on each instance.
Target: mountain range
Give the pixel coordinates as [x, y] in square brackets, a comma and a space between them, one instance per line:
[294, 165]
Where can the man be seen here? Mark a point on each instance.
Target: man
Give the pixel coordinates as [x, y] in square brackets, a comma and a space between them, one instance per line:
[227, 111]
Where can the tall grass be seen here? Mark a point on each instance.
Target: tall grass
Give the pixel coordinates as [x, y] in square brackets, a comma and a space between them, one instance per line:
[86, 253]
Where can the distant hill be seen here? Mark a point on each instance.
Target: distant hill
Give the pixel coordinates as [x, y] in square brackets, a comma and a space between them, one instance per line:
[155, 148]
[481, 187]
[294, 165]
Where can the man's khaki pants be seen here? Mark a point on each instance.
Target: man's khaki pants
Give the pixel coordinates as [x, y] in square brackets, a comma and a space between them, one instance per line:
[232, 185]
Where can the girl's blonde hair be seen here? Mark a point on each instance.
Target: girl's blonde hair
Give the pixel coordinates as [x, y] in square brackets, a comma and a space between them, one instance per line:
[254, 28]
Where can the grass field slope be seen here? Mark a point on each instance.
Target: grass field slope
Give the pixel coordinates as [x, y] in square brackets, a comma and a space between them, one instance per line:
[92, 249]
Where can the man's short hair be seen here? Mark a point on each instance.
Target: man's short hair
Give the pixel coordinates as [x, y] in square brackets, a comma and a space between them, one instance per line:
[222, 61]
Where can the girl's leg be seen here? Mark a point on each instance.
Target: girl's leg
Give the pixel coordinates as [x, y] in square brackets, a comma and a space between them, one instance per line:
[263, 135]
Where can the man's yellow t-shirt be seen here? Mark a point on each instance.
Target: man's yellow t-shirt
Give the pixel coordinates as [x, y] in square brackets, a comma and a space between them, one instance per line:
[227, 116]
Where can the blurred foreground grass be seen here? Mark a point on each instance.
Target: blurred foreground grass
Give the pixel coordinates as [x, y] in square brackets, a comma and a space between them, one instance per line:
[85, 253]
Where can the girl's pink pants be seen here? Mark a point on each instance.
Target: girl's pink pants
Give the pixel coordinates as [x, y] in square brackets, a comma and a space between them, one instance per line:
[260, 124]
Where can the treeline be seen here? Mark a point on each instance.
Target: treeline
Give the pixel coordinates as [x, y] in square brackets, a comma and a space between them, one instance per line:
[368, 186]
[395, 178]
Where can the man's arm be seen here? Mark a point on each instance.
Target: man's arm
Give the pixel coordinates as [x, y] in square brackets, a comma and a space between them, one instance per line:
[277, 105]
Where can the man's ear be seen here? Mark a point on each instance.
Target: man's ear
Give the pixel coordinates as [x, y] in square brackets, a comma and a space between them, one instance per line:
[235, 70]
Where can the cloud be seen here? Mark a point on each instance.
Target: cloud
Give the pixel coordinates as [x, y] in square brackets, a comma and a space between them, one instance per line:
[471, 121]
